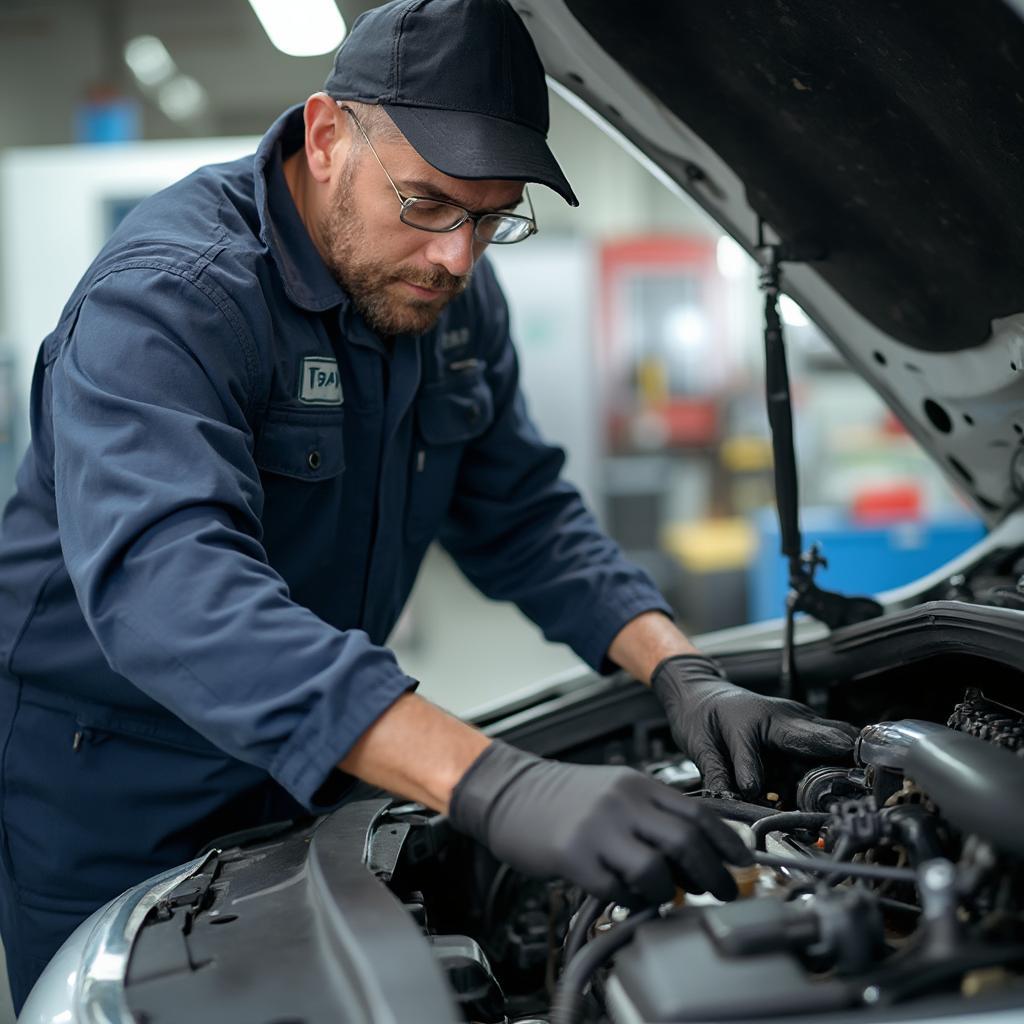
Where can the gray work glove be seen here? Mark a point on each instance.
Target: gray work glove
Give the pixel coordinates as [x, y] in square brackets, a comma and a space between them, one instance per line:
[725, 728]
[615, 832]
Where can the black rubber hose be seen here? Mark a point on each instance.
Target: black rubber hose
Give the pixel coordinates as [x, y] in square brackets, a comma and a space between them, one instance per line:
[733, 809]
[975, 784]
[567, 1005]
[589, 912]
[787, 821]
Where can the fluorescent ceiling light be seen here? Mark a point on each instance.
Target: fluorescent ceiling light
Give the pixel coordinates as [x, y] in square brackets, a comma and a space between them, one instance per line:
[182, 98]
[301, 28]
[149, 60]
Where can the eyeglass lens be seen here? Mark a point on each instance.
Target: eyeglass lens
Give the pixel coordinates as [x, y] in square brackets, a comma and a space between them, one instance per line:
[497, 228]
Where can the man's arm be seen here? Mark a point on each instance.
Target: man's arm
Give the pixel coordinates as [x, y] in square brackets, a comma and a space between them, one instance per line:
[645, 641]
[615, 832]
[159, 499]
[522, 533]
[416, 750]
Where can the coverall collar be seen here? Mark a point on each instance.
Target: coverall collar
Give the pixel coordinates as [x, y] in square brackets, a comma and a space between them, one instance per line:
[307, 281]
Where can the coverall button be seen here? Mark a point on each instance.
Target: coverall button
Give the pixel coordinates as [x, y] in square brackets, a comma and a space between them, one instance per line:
[313, 459]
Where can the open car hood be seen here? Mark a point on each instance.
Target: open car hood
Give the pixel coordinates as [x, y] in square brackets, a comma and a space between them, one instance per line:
[887, 140]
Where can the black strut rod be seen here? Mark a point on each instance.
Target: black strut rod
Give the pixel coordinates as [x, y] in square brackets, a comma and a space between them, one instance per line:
[780, 413]
[804, 594]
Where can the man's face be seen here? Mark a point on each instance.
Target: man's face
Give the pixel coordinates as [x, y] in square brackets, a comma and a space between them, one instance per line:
[399, 277]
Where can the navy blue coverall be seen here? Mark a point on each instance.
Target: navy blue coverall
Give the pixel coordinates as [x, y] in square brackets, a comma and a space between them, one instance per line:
[230, 488]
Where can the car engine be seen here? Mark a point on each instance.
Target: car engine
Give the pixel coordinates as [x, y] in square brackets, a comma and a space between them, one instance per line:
[889, 888]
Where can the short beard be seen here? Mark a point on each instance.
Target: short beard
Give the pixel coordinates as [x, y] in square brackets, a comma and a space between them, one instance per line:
[370, 285]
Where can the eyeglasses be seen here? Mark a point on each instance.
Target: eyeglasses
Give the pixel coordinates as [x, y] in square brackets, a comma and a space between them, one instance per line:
[439, 215]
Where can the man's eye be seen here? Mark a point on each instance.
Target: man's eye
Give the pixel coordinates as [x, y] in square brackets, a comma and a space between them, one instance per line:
[425, 213]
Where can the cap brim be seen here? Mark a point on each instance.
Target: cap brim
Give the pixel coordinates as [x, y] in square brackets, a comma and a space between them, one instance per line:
[478, 147]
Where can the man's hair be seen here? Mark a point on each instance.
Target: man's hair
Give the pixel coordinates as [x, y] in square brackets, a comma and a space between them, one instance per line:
[375, 121]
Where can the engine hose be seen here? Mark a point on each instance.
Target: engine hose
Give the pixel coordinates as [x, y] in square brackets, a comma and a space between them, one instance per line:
[888, 744]
[567, 1005]
[975, 784]
[788, 821]
[733, 809]
[589, 912]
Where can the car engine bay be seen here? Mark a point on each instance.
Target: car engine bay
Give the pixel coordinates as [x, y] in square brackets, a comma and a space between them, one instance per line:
[886, 889]
[890, 886]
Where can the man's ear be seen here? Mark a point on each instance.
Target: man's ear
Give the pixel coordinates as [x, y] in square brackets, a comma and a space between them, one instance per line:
[327, 136]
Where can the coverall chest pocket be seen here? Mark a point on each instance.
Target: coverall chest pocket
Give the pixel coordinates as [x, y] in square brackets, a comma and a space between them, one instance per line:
[301, 446]
[448, 415]
[301, 459]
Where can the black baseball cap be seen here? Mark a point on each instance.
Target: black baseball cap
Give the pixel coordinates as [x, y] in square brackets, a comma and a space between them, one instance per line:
[463, 83]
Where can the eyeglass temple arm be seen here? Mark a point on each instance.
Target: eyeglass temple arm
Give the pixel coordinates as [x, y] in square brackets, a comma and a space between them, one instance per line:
[529, 202]
[362, 131]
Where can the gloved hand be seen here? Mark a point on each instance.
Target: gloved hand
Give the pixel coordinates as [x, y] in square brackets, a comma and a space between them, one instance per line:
[613, 831]
[724, 728]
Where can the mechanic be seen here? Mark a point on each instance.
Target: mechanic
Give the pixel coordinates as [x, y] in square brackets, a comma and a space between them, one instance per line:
[280, 380]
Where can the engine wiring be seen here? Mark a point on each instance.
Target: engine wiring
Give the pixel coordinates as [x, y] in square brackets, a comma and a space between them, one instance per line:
[827, 866]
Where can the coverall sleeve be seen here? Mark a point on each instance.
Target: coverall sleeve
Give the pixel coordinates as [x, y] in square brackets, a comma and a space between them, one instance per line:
[521, 533]
[159, 501]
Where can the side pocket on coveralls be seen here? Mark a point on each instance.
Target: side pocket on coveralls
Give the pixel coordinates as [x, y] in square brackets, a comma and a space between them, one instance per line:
[101, 798]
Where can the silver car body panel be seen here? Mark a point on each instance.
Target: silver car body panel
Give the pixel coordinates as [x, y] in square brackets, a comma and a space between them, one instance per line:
[84, 982]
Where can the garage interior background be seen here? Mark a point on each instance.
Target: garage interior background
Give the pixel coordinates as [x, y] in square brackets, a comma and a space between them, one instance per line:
[638, 326]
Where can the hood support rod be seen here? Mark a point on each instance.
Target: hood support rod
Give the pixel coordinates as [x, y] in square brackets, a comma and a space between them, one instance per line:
[804, 595]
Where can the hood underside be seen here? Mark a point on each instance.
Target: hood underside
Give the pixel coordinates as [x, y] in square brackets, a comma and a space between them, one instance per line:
[887, 136]
[885, 143]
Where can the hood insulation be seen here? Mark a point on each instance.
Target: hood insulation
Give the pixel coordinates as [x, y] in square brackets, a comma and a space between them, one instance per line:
[889, 134]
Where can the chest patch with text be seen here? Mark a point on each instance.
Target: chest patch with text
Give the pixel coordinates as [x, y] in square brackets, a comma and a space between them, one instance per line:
[320, 381]
[453, 339]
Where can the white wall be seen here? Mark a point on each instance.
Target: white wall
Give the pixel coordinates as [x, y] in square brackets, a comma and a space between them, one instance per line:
[52, 207]
[617, 195]
[550, 285]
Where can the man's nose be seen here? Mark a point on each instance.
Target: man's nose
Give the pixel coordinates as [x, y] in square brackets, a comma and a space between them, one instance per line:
[454, 250]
